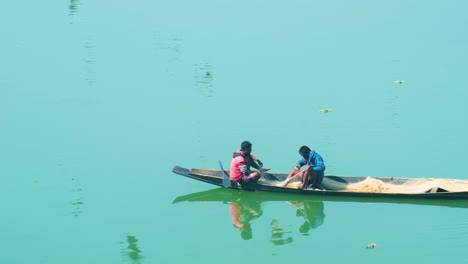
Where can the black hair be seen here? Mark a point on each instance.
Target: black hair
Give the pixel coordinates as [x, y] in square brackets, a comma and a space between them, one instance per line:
[246, 145]
[304, 228]
[304, 150]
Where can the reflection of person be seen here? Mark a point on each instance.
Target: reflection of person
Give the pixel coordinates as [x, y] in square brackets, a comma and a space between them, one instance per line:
[277, 234]
[313, 213]
[314, 170]
[133, 252]
[241, 162]
[242, 212]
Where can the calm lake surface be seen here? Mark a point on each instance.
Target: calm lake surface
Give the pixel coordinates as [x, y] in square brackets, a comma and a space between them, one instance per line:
[100, 99]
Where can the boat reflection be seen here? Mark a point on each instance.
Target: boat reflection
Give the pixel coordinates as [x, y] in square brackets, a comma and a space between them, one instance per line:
[228, 195]
[246, 206]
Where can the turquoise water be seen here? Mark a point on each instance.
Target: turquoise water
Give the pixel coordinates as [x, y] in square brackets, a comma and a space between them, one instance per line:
[99, 100]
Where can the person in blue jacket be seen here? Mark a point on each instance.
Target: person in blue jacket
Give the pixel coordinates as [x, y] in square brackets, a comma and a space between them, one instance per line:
[313, 172]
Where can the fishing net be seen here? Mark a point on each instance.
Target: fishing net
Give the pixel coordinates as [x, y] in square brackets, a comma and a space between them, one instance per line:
[390, 185]
[374, 185]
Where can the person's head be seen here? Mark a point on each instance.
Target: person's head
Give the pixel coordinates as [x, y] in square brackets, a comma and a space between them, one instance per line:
[304, 228]
[246, 147]
[304, 151]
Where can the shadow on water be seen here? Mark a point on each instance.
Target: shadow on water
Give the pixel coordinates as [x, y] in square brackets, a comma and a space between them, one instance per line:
[132, 253]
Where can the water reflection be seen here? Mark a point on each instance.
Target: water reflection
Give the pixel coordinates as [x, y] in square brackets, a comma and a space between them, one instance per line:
[246, 207]
[392, 102]
[242, 212]
[227, 195]
[77, 200]
[204, 79]
[89, 61]
[76, 189]
[132, 253]
[392, 106]
[168, 50]
[167, 47]
[312, 212]
[73, 7]
[278, 234]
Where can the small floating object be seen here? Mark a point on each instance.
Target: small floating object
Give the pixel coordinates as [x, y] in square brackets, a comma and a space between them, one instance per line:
[326, 110]
[371, 246]
[399, 82]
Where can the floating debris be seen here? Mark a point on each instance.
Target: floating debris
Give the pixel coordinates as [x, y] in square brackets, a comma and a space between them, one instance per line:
[399, 82]
[326, 110]
[371, 246]
[204, 79]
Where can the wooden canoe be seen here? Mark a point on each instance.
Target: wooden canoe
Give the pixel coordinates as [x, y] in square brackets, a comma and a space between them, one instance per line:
[270, 181]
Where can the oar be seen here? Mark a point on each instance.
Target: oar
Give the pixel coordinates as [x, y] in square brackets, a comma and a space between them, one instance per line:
[226, 181]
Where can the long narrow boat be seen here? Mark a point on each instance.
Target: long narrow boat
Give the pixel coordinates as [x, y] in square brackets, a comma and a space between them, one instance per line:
[271, 182]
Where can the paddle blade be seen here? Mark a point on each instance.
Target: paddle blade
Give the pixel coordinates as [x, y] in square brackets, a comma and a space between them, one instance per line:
[226, 181]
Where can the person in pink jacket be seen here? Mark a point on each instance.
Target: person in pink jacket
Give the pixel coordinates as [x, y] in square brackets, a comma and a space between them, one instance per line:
[241, 162]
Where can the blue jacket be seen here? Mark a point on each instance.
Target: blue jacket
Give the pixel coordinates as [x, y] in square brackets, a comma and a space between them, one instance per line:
[315, 161]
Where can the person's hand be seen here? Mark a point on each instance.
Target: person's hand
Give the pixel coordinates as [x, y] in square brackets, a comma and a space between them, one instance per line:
[298, 167]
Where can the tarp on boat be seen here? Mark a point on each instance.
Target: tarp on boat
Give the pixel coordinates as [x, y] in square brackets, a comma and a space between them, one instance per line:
[410, 186]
